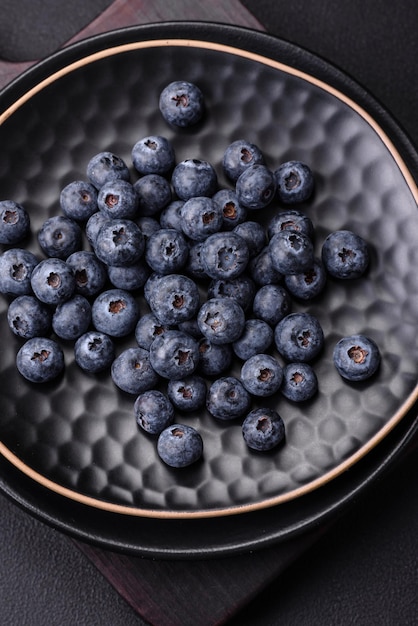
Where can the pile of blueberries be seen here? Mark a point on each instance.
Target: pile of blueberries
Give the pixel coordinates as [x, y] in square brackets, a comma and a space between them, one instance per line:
[218, 284]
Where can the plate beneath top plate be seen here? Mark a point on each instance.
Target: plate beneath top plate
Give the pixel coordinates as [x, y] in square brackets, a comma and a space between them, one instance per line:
[76, 441]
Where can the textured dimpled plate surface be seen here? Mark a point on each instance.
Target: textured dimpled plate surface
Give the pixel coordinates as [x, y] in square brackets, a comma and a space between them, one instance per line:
[79, 433]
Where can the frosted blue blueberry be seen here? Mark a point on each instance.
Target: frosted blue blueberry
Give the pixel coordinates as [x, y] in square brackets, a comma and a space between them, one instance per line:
[241, 289]
[290, 219]
[232, 212]
[170, 216]
[119, 242]
[307, 284]
[291, 252]
[174, 354]
[131, 277]
[180, 445]
[356, 357]
[14, 222]
[181, 103]
[256, 338]
[256, 187]
[40, 360]
[166, 251]
[345, 254]
[299, 337]
[261, 269]
[93, 225]
[299, 383]
[94, 352]
[239, 156]
[16, 267]
[221, 320]
[132, 372]
[60, 236]
[225, 255]
[89, 272]
[261, 375]
[117, 199]
[154, 194]
[153, 411]
[215, 359]
[227, 399]
[72, 318]
[153, 154]
[105, 166]
[194, 178]
[272, 303]
[263, 429]
[254, 234]
[175, 299]
[53, 281]
[147, 329]
[78, 200]
[28, 317]
[187, 394]
[148, 225]
[194, 265]
[200, 217]
[294, 182]
[115, 312]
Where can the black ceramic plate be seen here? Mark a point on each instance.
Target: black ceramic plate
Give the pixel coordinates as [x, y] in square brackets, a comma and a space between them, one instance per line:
[71, 450]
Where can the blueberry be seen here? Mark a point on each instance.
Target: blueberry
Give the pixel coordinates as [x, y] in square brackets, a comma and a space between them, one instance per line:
[272, 303]
[132, 372]
[291, 252]
[191, 327]
[181, 103]
[153, 155]
[256, 338]
[194, 265]
[299, 382]
[166, 251]
[89, 272]
[193, 178]
[290, 219]
[200, 217]
[299, 337]
[117, 199]
[263, 429]
[154, 194]
[147, 329]
[307, 284]
[174, 354]
[94, 351]
[93, 225]
[175, 299]
[53, 281]
[78, 200]
[180, 445]
[130, 278]
[356, 357]
[239, 156]
[261, 375]
[170, 216]
[226, 201]
[294, 182]
[215, 359]
[187, 394]
[241, 289]
[225, 255]
[60, 236]
[106, 166]
[221, 320]
[72, 318]
[345, 254]
[261, 269]
[147, 225]
[119, 242]
[14, 222]
[40, 360]
[153, 411]
[16, 267]
[115, 312]
[255, 188]
[254, 234]
[227, 398]
[28, 317]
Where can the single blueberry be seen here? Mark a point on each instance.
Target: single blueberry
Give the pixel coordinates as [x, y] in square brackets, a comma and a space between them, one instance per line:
[78, 200]
[53, 281]
[16, 267]
[40, 360]
[130, 278]
[261, 375]
[194, 265]
[299, 383]
[175, 298]
[115, 312]
[254, 234]
[147, 329]
[153, 411]
[166, 251]
[153, 155]
[60, 236]
[256, 187]
[154, 194]
[200, 217]
[294, 182]
[256, 338]
[193, 178]
[181, 103]
[239, 156]
[117, 199]
[187, 394]
[261, 269]
[241, 289]
[291, 252]
[272, 303]
[345, 254]
[226, 201]
[105, 166]
[307, 284]
[89, 272]
[221, 320]
[225, 255]
[227, 398]
[147, 225]
[14, 222]
[93, 225]
[174, 354]
[72, 318]
[132, 372]
[170, 216]
[299, 337]
[29, 317]
[263, 429]
[180, 445]
[290, 219]
[356, 357]
[94, 351]
[119, 242]
[215, 359]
